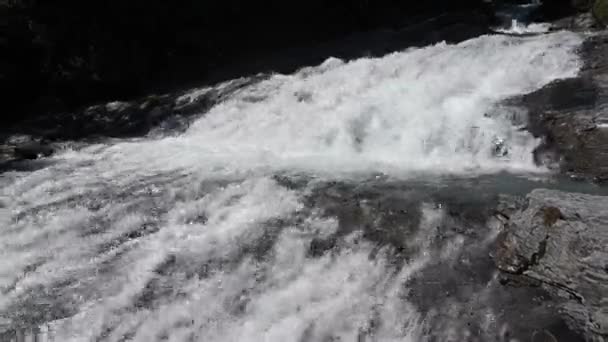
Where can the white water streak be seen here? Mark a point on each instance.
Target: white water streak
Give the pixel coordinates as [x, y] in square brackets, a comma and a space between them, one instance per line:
[423, 110]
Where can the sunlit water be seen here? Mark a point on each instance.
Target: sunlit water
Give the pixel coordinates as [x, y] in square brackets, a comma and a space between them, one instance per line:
[209, 235]
[517, 27]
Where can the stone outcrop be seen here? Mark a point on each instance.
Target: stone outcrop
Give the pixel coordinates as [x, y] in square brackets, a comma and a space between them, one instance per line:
[558, 241]
[157, 115]
[572, 115]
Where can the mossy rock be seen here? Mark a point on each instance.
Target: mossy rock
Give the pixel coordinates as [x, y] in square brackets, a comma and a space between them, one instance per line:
[600, 11]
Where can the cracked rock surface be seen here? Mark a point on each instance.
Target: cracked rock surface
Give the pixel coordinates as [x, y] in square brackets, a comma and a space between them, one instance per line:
[559, 241]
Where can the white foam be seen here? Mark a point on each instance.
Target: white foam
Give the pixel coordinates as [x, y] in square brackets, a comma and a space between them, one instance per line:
[423, 110]
[116, 106]
[520, 28]
[288, 295]
[94, 232]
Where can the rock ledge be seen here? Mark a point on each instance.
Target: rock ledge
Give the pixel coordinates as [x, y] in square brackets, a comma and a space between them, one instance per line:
[559, 241]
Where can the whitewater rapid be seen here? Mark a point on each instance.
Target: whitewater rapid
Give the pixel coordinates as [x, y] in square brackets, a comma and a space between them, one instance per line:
[192, 237]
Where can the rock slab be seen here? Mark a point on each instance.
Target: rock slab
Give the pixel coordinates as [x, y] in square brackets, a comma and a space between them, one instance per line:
[559, 241]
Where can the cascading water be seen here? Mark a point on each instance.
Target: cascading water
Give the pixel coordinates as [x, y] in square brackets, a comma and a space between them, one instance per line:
[221, 234]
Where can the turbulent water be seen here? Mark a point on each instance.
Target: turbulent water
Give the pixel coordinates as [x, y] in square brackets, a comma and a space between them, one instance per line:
[284, 213]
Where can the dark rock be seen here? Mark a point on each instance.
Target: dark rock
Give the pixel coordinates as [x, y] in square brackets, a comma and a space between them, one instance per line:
[551, 10]
[582, 5]
[61, 55]
[6, 152]
[580, 22]
[163, 114]
[543, 336]
[558, 240]
[572, 115]
[600, 11]
[20, 147]
[575, 15]
[556, 9]
[33, 150]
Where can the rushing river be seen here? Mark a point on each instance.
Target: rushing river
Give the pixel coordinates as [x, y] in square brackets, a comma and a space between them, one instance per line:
[345, 202]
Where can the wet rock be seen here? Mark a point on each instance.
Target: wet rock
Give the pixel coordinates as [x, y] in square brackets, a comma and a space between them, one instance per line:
[579, 22]
[557, 240]
[77, 53]
[20, 147]
[33, 150]
[572, 115]
[600, 11]
[582, 5]
[556, 9]
[500, 147]
[155, 114]
[543, 336]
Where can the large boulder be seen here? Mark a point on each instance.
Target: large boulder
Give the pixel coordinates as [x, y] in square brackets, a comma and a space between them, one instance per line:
[559, 241]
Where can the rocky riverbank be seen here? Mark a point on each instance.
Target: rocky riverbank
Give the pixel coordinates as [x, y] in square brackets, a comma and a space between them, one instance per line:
[572, 115]
[557, 241]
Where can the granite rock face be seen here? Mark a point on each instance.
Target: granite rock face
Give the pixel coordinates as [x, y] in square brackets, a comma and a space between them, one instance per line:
[559, 241]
